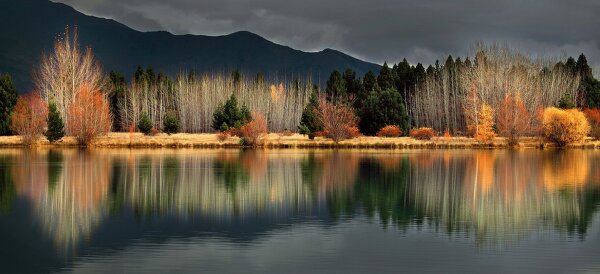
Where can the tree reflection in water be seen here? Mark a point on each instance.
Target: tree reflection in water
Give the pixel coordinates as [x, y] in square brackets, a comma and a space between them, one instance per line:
[493, 195]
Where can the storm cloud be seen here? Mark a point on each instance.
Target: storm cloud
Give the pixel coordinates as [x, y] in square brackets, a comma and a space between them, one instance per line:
[376, 31]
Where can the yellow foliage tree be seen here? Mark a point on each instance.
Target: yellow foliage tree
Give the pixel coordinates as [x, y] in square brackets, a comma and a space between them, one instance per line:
[564, 127]
[485, 126]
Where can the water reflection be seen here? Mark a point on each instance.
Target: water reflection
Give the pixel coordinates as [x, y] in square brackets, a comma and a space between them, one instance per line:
[490, 195]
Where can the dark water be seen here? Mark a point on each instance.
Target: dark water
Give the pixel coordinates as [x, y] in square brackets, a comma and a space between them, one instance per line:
[288, 211]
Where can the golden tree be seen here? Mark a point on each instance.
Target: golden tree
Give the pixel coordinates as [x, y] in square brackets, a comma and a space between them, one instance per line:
[513, 118]
[339, 120]
[485, 126]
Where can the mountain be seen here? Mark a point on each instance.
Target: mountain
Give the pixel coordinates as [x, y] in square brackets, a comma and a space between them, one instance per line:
[31, 26]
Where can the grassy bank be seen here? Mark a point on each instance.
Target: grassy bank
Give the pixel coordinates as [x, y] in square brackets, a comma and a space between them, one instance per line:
[274, 140]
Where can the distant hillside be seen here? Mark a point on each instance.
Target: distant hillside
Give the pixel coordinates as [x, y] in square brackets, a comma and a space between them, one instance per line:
[30, 27]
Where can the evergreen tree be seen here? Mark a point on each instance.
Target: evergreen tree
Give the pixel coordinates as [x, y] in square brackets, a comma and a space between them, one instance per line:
[170, 123]
[592, 92]
[571, 65]
[8, 100]
[336, 88]
[566, 102]
[583, 68]
[116, 98]
[383, 109]
[370, 82]
[145, 124]
[310, 121]
[229, 115]
[385, 78]
[352, 84]
[56, 126]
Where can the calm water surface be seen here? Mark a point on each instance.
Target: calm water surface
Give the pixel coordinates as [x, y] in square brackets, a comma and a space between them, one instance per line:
[288, 211]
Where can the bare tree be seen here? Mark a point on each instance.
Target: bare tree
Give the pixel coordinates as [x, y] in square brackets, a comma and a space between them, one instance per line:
[63, 71]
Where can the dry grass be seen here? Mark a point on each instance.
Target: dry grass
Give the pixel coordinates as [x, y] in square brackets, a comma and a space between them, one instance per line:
[275, 140]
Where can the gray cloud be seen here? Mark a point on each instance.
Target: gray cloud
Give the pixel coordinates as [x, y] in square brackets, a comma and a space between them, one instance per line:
[377, 31]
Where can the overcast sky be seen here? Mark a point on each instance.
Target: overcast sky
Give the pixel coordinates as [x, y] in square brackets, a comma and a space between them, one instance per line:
[377, 30]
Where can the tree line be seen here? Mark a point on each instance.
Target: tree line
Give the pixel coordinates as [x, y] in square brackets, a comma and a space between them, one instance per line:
[502, 91]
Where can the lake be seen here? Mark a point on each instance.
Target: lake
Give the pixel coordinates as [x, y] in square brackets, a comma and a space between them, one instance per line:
[289, 211]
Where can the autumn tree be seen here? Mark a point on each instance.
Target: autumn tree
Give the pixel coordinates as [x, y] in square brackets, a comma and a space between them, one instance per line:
[63, 72]
[29, 117]
[88, 115]
[564, 127]
[252, 132]
[485, 126]
[339, 120]
[8, 99]
[513, 118]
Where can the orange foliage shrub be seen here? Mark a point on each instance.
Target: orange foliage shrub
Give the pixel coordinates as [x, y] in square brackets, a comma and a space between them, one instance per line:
[564, 127]
[29, 117]
[423, 133]
[352, 132]
[447, 134]
[390, 131]
[222, 136]
[593, 115]
[337, 120]
[253, 131]
[88, 115]
[513, 118]
[485, 127]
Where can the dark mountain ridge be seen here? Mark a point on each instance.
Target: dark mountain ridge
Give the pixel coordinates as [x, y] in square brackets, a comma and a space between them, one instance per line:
[31, 26]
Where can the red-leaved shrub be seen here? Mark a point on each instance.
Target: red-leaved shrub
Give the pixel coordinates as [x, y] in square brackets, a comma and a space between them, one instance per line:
[338, 119]
[254, 130]
[593, 115]
[423, 133]
[352, 132]
[29, 117]
[390, 131]
[88, 115]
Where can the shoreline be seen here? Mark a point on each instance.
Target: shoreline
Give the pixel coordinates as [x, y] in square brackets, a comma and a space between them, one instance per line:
[275, 140]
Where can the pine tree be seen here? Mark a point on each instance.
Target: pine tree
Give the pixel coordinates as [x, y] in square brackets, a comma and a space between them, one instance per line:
[170, 123]
[336, 87]
[56, 126]
[310, 121]
[145, 124]
[229, 115]
[386, 78]
[8, 100]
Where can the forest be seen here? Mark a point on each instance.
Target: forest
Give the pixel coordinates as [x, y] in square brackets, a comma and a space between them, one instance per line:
[498, 91]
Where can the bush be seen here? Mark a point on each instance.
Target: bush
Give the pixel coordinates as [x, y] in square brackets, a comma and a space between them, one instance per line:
[564, 127]
[88, 115]
[222, 136]
[170, 123]
[29, 117]
[144, 124]
[423, 133]
[337, 120]
[390, 131]
[352, 132]
[56, 127]
[229, 115]
[253, 130]
[310, 121]
[593, 116]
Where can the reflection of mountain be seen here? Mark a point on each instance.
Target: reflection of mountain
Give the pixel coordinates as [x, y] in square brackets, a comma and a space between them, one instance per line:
[109, 198]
